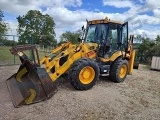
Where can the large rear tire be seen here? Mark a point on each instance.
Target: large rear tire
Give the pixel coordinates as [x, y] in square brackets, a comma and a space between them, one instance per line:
[83, 74]
[119, 70]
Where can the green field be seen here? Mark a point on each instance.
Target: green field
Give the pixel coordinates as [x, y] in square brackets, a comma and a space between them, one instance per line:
[7, 58]
[5, 53]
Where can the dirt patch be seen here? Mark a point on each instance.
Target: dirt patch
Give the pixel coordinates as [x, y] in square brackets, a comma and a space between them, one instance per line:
[138, 97]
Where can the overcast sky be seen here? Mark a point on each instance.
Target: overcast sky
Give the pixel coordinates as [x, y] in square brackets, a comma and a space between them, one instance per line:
[71, 15]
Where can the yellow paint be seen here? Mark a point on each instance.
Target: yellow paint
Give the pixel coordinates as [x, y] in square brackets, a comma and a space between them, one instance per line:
[31, 97]
[86, 75]
[123, 71]
[130, 57]
[131, 62]
[74, 53]
[62, 69]
[114, 56]
[45, 60]
[68, 44]
[42, 60]
[20, 74]
[20, 53]
[106, 20]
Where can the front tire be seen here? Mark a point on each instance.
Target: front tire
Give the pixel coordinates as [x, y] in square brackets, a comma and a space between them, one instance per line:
[83, 74]
[119, 70]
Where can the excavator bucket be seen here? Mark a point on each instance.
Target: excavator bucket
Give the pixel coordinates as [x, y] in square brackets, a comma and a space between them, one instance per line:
[30, 84]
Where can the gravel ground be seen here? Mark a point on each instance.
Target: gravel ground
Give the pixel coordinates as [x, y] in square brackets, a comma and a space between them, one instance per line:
[138, 98]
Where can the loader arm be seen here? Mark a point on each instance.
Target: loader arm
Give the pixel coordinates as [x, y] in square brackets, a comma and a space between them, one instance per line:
[62, 62]
[54, 51]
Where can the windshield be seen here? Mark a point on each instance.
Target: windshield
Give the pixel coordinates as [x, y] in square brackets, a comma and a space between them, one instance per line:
[96, 33]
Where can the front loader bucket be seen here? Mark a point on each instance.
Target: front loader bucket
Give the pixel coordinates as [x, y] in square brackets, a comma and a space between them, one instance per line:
[30, 84]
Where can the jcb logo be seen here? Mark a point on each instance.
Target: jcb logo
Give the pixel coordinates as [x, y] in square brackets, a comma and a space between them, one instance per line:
[90, 54]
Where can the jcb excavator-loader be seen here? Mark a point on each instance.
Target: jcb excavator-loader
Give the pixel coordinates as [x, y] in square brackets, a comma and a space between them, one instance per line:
[104, 49]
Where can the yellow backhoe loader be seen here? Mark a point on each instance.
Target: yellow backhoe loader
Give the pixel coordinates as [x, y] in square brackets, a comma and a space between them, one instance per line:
[104, 49]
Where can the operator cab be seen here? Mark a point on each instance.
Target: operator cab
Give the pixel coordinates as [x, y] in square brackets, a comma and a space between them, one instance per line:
[111, 36]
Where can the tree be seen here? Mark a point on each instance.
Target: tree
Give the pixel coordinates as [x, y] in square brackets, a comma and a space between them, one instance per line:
[158, 38]
[70, 36]
[37, 26]
[3, 26]
[146, 50]
[157, 46]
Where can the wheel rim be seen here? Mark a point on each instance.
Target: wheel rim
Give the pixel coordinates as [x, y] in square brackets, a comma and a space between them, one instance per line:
[86, 75]
[123, 71]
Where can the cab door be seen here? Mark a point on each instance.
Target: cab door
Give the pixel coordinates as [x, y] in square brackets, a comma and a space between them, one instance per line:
[124, 36]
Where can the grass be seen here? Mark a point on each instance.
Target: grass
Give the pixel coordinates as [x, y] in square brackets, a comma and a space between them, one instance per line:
[7, 58]
[5, 53]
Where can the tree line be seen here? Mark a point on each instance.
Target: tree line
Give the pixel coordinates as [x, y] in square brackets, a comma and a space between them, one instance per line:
[147, 48]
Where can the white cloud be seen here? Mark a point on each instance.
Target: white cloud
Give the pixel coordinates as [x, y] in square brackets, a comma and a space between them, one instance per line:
[152, 4]
[12, 31]
[118, 3]
[146, 19]
[16, 7]
[147, 33]
[67, 17]
[12, 27]
[22, 6]
[67, 20]
[157, 13]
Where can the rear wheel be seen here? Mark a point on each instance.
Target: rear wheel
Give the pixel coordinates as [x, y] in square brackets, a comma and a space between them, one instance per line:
[119, 70]
[83, 74]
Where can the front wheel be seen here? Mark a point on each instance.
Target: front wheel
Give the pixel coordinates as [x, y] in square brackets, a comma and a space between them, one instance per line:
[119, 70]
[83, 74]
